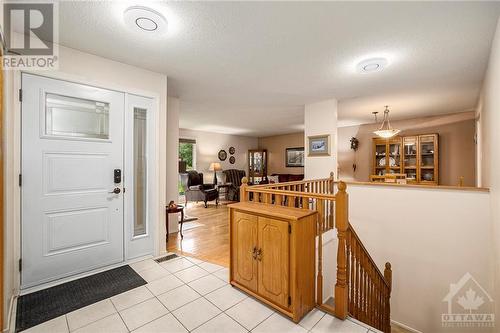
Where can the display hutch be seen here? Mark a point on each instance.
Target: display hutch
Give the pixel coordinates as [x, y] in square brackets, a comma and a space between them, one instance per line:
[387, 156]
[421, 159]
[257, 165]
[415, 156]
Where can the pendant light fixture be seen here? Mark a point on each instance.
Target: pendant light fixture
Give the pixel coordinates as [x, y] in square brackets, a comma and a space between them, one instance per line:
[387, 131]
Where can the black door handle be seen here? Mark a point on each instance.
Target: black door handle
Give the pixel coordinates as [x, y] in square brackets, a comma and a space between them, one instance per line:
[117, 190]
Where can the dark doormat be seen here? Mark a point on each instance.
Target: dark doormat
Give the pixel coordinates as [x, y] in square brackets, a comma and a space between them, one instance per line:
[47, 304]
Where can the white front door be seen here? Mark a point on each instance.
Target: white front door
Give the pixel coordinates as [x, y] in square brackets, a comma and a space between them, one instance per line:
[72, 143]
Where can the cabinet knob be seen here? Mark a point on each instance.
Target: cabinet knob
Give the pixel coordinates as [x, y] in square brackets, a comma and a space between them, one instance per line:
[259, 254]
[254, 252]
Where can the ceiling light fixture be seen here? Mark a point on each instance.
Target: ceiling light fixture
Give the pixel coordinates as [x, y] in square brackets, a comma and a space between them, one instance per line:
[372, 65]
[145, 19]
[388, 131]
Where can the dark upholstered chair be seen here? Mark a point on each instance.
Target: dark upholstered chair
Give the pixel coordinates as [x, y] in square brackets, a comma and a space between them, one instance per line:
[195, 190]
[234, 177]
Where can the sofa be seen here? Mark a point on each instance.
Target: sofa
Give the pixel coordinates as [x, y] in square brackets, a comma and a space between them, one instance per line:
[196, 190]
[234, 177]
[287, 177]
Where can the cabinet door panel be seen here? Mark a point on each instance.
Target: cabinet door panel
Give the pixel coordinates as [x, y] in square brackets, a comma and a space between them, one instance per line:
[244, 239]
[273, 262]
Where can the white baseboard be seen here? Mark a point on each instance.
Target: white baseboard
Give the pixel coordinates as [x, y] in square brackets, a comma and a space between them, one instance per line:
[406, 327]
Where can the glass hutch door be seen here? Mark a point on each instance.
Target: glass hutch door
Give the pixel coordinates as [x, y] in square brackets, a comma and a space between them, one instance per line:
[410, 158]
[428, 158]
[380, 158]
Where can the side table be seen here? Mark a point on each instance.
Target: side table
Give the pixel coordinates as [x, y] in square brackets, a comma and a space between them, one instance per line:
[170, 210]
[224, 186]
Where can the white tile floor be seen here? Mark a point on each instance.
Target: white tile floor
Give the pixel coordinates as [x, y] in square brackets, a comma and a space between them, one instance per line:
[188, 295]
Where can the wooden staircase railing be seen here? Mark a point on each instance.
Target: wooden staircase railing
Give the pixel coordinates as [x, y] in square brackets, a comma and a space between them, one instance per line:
[361, 290]
[317, 194]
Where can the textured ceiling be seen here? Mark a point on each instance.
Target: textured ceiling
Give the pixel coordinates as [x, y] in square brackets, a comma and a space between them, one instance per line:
[249, 67]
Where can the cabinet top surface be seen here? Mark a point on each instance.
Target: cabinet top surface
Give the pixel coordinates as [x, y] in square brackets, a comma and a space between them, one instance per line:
[272, 210]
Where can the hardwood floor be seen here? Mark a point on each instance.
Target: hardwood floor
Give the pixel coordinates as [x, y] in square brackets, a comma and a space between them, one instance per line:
[210, 240]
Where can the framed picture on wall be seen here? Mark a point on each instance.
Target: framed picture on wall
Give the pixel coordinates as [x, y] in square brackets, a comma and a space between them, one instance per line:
[319, 145]
[294, 157]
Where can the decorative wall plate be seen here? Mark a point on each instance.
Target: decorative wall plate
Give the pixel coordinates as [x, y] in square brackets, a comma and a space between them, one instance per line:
[222, 155]
[232, 159]
[232, 150]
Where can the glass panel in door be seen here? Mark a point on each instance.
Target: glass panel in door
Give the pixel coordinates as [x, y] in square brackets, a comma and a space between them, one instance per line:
[140, 171]
[380, 159]
[427, 156]
[67, 116]
[394, 155]
[140, 168]
[410, 158]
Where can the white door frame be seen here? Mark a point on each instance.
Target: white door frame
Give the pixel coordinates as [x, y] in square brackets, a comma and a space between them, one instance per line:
[13, 168]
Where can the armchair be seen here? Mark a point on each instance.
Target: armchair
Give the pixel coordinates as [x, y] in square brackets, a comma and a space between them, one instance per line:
[195, 190]
[234, 177]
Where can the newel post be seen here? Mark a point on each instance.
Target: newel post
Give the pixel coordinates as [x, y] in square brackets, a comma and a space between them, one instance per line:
[243, 189]
[342, 223]
[388, 279]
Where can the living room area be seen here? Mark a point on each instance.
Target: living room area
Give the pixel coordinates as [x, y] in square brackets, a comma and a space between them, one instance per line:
[204, 199]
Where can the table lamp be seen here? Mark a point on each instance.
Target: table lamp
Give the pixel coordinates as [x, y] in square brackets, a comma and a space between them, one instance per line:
[215, 166]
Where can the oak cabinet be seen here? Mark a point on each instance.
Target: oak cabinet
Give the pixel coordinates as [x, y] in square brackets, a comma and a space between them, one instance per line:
[273, 255]
[416, 156]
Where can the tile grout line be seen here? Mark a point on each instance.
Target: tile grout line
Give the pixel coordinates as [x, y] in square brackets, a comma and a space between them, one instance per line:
[67, 324]
[272, 312]
[201, 296]
[95, 321]
[204, 296]
[224, 311]
[168, 312]
[120, 315]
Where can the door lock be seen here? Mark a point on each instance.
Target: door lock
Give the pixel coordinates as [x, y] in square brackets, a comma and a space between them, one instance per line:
[117, 176]
[117, 190]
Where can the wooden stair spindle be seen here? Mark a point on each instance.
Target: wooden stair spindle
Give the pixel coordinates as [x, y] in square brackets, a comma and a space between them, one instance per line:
[388, 279]
[319, 278]
[341, 220]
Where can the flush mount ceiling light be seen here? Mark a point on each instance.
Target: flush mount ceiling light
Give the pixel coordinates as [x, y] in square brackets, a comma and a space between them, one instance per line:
[387, 131]
[145, 19]
[372, 65]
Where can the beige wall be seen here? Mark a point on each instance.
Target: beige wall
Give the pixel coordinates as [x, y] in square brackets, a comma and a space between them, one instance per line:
[456, 146]
[276, 148]
[428, 252]
[489, 157]
[321, 119]
[208, 145]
